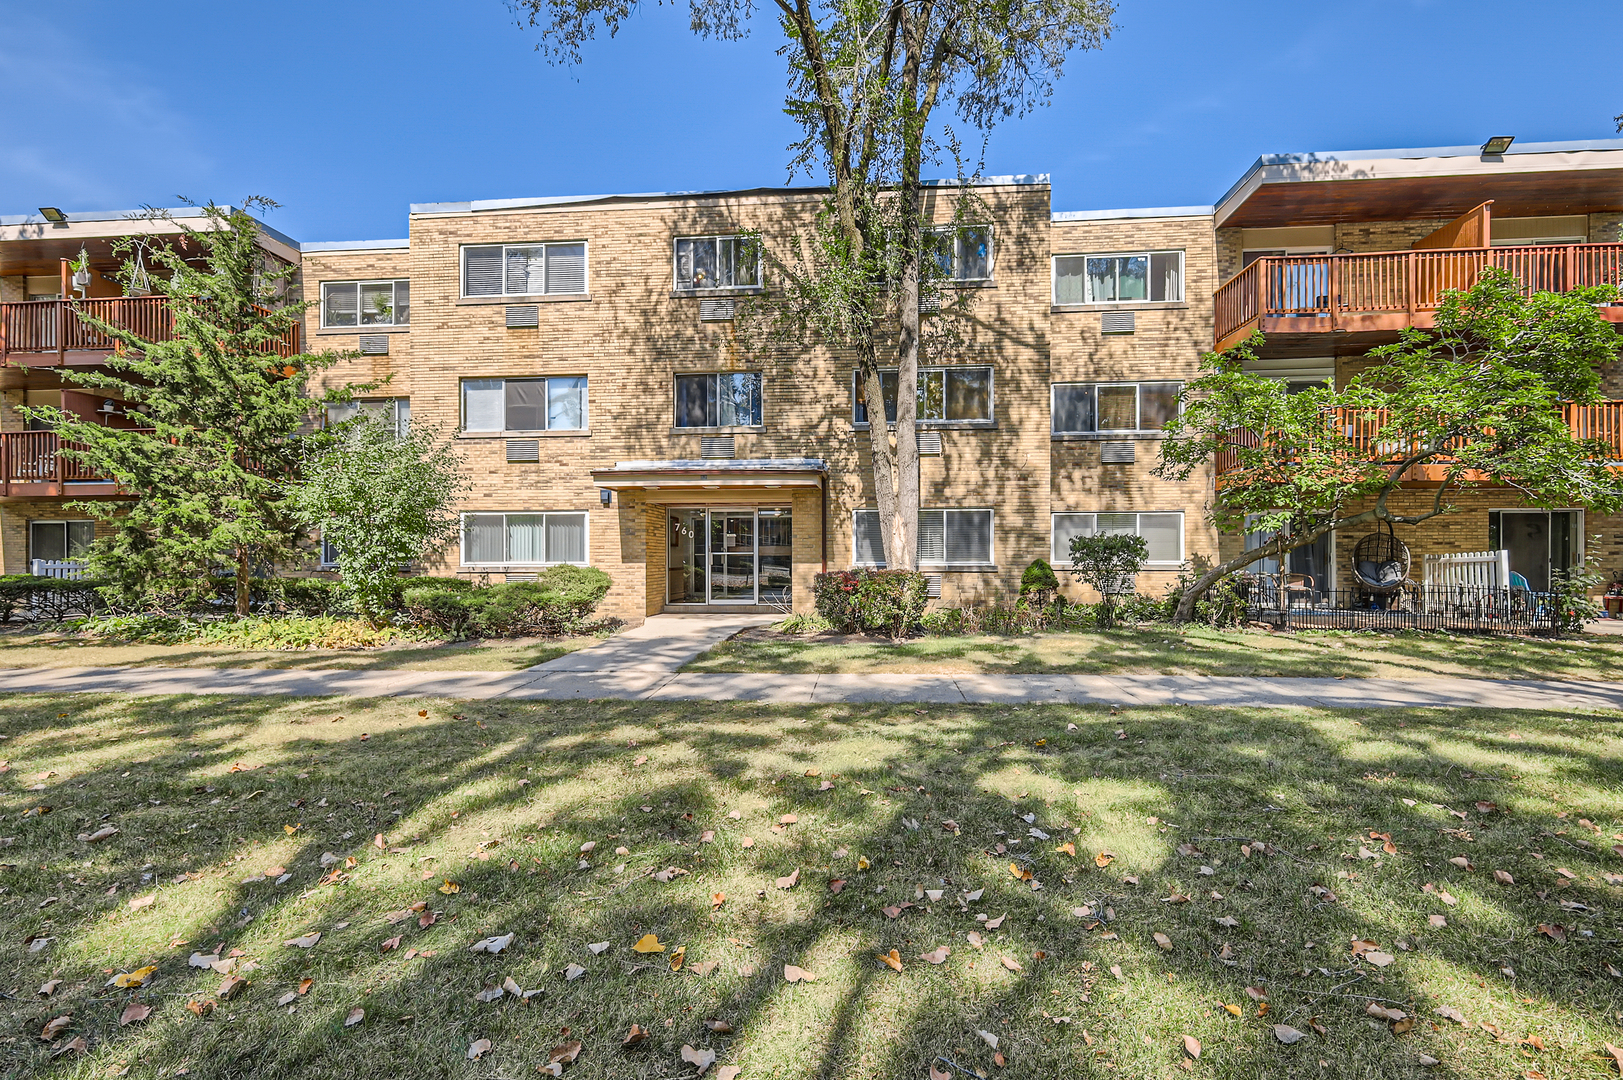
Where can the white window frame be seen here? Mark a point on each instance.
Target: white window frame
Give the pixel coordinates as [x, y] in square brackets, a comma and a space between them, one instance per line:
[678, 285]
[64, 522]
[991, 540]
[676, 414]
[462, 403]
[1087, 280]
[990, 421]
[462, 536]
[957, 232]
[1062, 561]
[586, 268]
[361, 327]
[1138, 427]
[402, 414]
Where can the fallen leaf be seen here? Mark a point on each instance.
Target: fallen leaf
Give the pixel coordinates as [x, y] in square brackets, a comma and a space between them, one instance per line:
[1191, 1046]
[491, 945]
[1234, 1010]
[729, 1072]
[789, 882]
[305, 985]
[1228, 921]
[1554, 931]
[1067, 848]
[1012, 965]
[975, 939]
[1115, 971]
[573, 972]
[720, 1027]
[1378, 958]
[478, 1049]
[648, 943]
[701, 1059]
[991, 1040]
[788, 819]
[1020, 872]
[231, 987]
[450, 887]
[1437, 920]
[75, 1045]
[794, 974]
[939, 1074]
[305, 942]
[1103, 859]
[892, 959]
[1288, 1035]
[747, 842]
[993, 924]
[143, 901]
[677, 956]
[565, 1054]
[1256, 993]
[1163, 941]
[1503, 878]
[132, 979]
[1381, 1012]
[1448, 1012]
[133, 1013]
[836, 885]
[48, 988]
[938, 955]
[1617, 1055]
[636, 1035]
[896, 909]
[55, 1026]
[1426, 1060]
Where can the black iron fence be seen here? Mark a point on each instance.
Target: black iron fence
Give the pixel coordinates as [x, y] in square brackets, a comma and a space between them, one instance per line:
[1468, 609]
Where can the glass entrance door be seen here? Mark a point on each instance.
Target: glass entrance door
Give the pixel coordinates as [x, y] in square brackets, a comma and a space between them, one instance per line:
[732, 557]
[729, 556]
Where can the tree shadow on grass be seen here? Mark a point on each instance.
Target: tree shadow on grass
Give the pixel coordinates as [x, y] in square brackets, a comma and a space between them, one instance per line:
[501, 796]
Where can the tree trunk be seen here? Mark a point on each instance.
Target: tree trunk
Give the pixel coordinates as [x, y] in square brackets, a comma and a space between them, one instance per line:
[242, 581]
[906, 512]
[1277, 546]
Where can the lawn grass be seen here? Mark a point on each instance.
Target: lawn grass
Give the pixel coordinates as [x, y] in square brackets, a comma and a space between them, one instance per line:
[215, 798]
[30, 648]
[1166, 650]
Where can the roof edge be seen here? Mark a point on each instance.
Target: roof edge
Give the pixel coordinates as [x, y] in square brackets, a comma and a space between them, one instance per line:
[1062, 216]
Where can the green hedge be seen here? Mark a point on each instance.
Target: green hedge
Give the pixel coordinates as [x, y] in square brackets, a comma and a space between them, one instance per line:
[560, 601]
[888, 602]
[48, 599]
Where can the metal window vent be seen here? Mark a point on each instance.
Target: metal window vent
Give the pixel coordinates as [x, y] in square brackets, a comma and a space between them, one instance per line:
[718, 310]
[1119, 585]
[374, 344]
[932, 586]
[521, 577]
[930, 303]
[930, 442]
[1116, 453]
[523, 316]
[1118, 322]
[717, 446]
[523, 449]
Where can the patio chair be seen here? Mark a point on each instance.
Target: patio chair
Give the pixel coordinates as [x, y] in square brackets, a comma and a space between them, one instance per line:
[1380, 563]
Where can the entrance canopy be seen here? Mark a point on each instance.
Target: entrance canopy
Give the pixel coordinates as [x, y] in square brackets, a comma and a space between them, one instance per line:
[696, 475]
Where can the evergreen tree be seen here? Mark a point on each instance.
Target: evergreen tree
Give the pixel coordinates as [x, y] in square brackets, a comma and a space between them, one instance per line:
[222, 400]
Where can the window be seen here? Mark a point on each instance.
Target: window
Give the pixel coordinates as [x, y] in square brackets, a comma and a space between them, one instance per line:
[717, 262]
[329, 553]
[719, 399]
[1162, 532]
[396, 411]
[524, 270]
[366, 303]
[945, 396]
[963, 253]
[946, 538]
[556, 403]
[1109, 279]
[524, 539]
[60, 541]
[1105, 407]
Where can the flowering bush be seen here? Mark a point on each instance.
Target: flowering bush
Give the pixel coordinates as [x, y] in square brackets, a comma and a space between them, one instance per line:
[888, 602]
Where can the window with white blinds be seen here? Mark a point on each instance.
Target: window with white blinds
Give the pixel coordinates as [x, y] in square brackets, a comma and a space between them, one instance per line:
[524, 539]
[555, 403]
[1163, 532]
[366, 303]
[524, 270]
[946, 538]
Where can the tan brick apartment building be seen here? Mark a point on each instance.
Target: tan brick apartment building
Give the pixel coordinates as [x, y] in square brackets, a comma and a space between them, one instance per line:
[586, 353]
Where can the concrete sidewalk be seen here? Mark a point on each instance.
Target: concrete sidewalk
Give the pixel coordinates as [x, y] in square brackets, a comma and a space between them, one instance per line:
[655, 685]
[661, 643]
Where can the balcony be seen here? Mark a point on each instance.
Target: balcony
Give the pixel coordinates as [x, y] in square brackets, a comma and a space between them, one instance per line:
[1362, 427]
[32, 464]
[1382, 292]
[49, 333]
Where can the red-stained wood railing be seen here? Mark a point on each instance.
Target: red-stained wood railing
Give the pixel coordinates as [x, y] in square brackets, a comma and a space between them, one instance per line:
[1330, 292]
[36, 457]
[32, 328]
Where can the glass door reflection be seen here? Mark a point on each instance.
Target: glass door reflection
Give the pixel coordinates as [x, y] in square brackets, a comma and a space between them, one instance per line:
[732, 557]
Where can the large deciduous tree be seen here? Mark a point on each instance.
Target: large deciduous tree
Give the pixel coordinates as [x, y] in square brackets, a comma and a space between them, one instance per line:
[866, 78]
[1479, 400]
[220, 399]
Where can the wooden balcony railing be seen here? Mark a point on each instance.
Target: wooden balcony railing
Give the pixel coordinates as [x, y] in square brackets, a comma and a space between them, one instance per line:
[36, 330]
[1389, 290]
[1362, 427]
[32, 463]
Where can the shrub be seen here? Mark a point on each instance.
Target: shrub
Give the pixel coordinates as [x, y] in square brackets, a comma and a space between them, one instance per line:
[889, 602]
[48, 599]
[1108, 561]
[801, 623]
[310, 597]
[251, 632]
[1039, 584]
[559, 601]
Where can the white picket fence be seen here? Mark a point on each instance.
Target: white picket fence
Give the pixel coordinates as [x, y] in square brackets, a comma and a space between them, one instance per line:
[1471, 569]
[65, 569]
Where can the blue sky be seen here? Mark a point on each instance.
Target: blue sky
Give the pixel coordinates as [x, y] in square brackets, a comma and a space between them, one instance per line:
[346, 113]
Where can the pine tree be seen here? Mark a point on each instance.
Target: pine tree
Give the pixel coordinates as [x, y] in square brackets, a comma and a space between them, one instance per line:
[222, 401]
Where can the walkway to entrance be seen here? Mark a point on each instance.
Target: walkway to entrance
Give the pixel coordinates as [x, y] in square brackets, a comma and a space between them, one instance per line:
[662, 644]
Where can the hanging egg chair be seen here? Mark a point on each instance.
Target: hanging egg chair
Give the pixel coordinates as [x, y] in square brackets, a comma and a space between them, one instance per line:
[1381, 562]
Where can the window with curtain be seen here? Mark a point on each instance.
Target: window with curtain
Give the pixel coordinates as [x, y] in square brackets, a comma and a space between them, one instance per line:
[717, 262]
[1106, 407]
[524, 539]
[366, 303]
[554, 403]
[946, 395]
[59, 541]
[719, 399]
[524, 270]
[1163, 532]
[963, 253]
[946, 538]
[1144, 276]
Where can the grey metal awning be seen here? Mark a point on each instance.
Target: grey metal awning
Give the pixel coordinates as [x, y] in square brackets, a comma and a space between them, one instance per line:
[707, 473]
